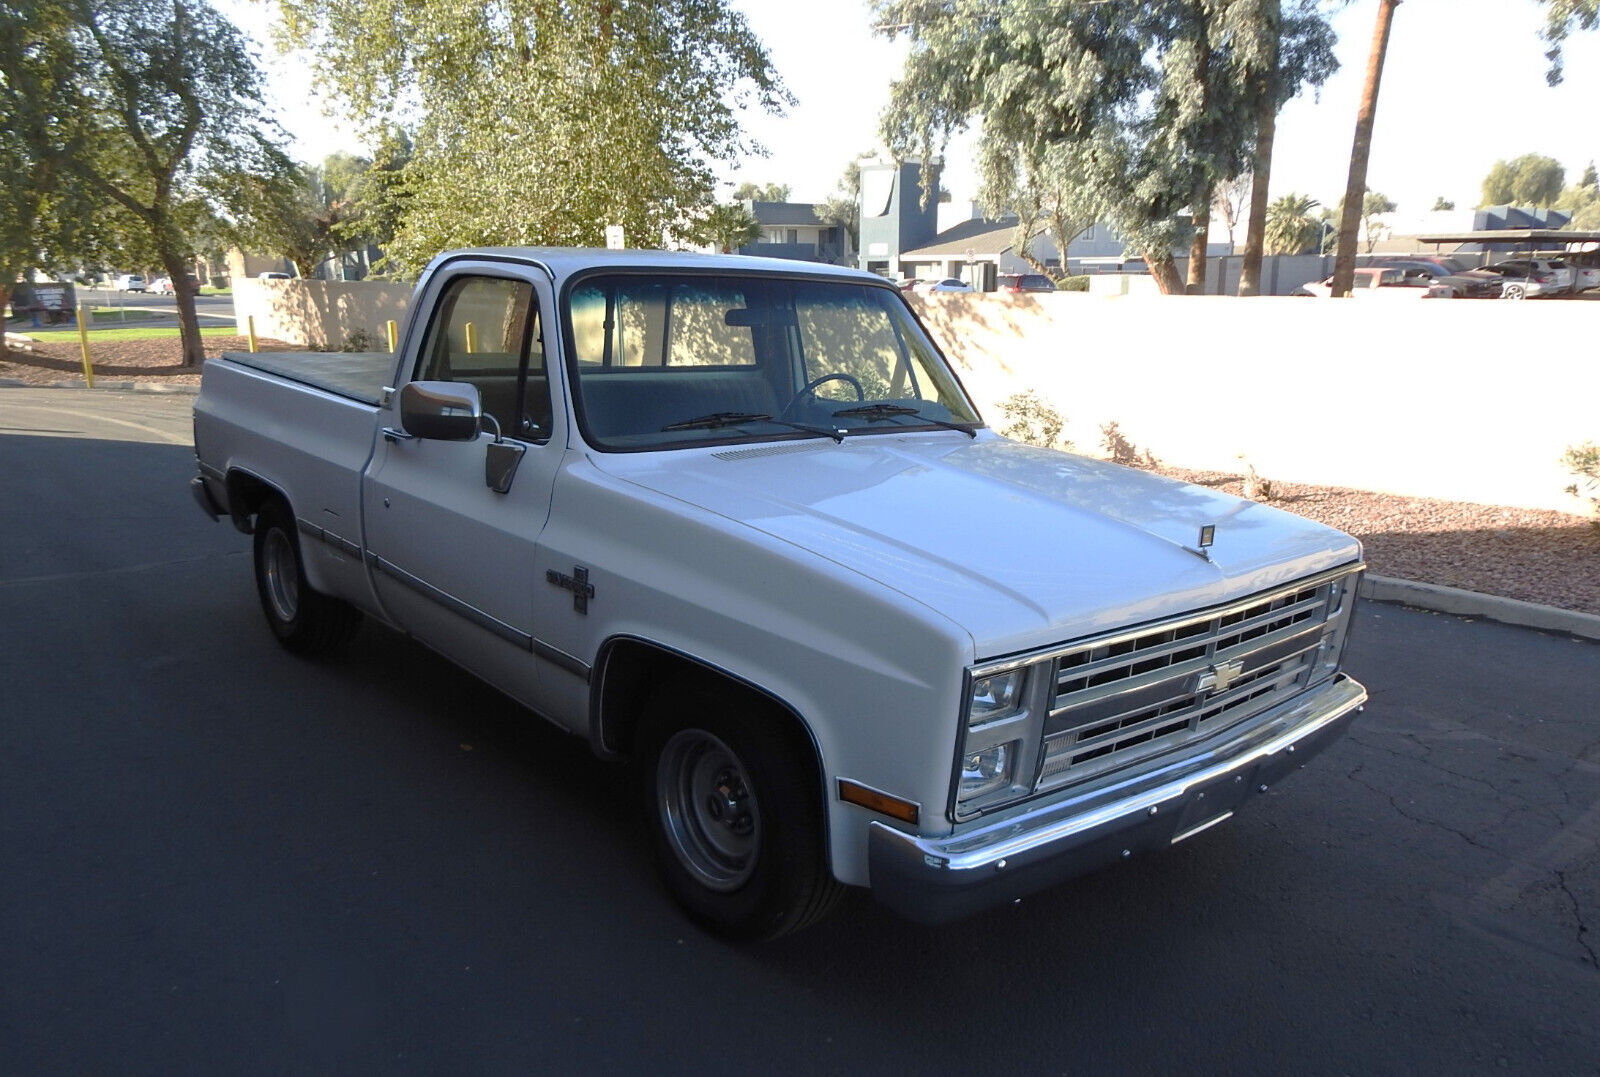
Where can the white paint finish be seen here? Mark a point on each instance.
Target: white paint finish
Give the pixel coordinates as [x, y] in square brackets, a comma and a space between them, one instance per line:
[1021, 547]
[853, 582]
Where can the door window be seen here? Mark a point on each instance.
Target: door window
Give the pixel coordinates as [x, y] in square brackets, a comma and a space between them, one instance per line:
[487, 332]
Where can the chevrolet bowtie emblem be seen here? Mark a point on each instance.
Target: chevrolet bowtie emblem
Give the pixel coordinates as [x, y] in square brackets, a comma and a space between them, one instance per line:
[1219, 676]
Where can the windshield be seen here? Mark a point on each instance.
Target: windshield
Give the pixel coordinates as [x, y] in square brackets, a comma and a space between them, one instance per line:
[664, 360]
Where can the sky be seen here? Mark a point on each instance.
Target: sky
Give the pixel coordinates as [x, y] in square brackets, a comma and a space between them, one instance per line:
[1463, 87]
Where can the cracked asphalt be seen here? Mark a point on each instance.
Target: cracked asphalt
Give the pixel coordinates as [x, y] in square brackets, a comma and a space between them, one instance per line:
[217, 858]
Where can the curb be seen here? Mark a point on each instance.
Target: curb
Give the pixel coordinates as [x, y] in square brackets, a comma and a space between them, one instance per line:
[121, 386]
[1511, 611]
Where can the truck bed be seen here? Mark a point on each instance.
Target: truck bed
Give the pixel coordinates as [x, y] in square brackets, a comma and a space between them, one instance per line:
[356, 375]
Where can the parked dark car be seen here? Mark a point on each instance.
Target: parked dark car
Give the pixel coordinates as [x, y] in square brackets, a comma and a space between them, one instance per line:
[1024, 282]
[1473, 284]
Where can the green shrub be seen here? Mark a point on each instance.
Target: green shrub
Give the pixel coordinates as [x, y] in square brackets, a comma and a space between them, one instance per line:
[1074, 284]
[1584, 463]
[1119, 450]
[364, 340]
[1029, 419]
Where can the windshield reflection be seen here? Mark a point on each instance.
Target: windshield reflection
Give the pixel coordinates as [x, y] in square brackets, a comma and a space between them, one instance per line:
[663, 360]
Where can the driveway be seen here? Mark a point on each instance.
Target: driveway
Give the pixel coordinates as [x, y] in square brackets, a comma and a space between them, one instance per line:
[219, 858]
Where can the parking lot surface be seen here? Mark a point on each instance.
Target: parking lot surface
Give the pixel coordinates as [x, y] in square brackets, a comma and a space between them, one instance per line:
[215, 857]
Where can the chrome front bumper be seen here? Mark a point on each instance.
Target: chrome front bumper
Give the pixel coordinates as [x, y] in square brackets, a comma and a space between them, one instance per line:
[1035, 846]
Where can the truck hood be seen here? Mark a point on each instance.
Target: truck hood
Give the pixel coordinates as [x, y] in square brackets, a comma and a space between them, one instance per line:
[1020, 546]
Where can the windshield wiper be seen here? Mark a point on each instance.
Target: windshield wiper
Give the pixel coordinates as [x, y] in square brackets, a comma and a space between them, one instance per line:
[874, 412]
[736, 418]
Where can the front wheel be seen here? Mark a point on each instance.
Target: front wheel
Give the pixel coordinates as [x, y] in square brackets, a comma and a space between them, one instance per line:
[735, 813]
[303, 619]
[1514, 291]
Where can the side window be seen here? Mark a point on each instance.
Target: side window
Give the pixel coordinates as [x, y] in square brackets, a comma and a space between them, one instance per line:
[487, 331]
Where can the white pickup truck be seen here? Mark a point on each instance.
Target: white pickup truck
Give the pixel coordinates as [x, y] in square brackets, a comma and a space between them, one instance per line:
[736, 520]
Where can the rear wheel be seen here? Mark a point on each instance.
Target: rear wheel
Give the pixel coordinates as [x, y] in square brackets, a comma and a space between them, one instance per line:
[735, 813]
[303, 619]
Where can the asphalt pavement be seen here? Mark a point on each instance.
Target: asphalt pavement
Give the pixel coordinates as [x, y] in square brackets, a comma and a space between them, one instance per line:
[210, 309]
[215, 857]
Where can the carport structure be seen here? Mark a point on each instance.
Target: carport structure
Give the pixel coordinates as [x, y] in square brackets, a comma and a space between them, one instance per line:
[1576, 247]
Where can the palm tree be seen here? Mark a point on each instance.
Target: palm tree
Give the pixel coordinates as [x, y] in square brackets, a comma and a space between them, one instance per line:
[730, 227]
[1344, 266]
[1291, 229]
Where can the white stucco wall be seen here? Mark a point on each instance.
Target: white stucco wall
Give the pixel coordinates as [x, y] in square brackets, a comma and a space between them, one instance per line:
[318, 313]
[1467, 400]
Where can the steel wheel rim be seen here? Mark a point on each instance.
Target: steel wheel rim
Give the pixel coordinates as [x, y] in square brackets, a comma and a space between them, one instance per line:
[282, 575]
[708, 809]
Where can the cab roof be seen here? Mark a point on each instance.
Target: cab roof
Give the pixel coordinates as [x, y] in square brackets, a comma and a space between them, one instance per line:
[563, 262]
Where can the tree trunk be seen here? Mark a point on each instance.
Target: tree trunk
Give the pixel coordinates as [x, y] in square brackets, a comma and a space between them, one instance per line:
[1355, 191]
[5, 297]
[1197, 246]
[1255, 235]
[193, 347]
[1204, 188]
[1165, 271]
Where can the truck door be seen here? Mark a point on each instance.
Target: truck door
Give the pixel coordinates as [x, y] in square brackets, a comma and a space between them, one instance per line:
[453, 560]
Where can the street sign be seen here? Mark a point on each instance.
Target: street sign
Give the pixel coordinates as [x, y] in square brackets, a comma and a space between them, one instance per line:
[614, 237]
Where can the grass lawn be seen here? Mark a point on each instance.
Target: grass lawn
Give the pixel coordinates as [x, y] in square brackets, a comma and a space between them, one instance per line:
[151, 332]
[128, 314]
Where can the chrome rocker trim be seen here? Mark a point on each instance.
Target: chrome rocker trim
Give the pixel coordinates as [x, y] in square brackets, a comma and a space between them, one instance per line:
[935, 880]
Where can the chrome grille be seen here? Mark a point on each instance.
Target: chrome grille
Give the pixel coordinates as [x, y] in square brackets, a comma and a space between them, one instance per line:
[1136, 694]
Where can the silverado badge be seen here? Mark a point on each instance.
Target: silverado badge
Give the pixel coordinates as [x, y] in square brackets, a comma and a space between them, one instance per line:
[578, 583]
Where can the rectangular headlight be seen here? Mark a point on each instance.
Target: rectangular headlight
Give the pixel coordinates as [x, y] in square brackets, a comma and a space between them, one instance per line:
[995, 696]
[986, 771]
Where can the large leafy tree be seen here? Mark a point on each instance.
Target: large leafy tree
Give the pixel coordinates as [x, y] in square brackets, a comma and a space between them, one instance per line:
[1561, 18]
[538, 121]
[309, 214]
[37, 74]
[166, 116]
[1283, 46]
[1156, 95]
[756, 192]
[1048, 191]
[1529, 180]
[842, 208]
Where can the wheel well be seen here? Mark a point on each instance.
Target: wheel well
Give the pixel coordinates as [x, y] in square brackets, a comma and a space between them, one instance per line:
[246, 496]
[631, 671]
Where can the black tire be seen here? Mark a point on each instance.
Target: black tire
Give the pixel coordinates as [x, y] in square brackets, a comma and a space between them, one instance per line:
[304, 620]
[735, 813]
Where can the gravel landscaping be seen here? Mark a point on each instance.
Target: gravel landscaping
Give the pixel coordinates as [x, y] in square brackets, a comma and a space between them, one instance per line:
[1540, 556]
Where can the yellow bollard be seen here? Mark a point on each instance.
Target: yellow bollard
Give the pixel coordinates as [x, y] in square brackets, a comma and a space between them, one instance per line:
[394, 334]
[472, 337]
[250, 327]
[83, 346]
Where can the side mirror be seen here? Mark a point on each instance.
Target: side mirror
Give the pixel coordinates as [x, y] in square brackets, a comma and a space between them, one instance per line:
[441, 410]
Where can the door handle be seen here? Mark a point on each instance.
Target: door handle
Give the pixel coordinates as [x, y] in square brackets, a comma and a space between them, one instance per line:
[396, 435]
